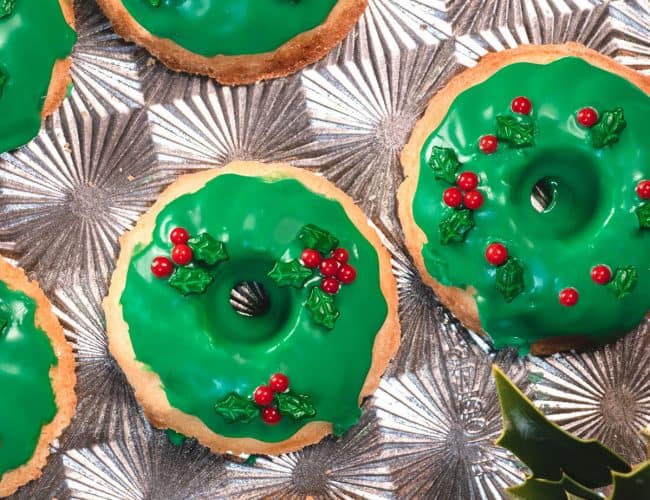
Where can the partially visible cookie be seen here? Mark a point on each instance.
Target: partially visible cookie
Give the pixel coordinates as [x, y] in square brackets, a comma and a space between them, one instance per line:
[235, 41]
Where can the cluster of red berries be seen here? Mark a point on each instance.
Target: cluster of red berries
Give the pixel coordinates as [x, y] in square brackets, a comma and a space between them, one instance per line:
[181, 254]
[466, 192]
[335, 268]
[488, 143]
[643, 189]
[265, 394]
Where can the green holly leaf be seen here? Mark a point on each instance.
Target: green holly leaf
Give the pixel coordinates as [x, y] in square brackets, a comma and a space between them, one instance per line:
[190, 280]
[517, 130]
[235, 408]
[6, 7]
[3, 325]
[643, 214]
[608, 129]
[510, 279]
[634, 485]
[207, 249]
[543, 489]
[623, 281]
[548, 451]
[444, 163]
[291, 273]
[314, 237]
[298, 406]
[321, 306]
[455, 224]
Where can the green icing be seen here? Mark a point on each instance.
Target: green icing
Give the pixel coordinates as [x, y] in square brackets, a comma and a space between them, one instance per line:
[26, 395]
[34, 36]
[229, 27]
[204, 351]
[591, 220]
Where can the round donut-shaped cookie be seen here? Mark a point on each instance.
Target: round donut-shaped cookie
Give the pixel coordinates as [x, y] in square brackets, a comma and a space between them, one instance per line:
[253, 308]
[525, 204]
[37, 40]
[37, 379]
[235, 41]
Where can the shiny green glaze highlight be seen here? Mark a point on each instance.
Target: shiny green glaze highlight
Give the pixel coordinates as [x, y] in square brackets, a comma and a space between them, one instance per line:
[203, 350]
[26, 395]
[33, 38]
[591, 221]
[229, 27]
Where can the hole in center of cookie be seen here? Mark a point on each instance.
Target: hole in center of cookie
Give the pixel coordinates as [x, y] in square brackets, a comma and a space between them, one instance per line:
[544, 195]
[249, 298]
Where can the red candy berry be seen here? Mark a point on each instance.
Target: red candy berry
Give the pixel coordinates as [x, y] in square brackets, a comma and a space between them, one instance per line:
[347, 274]
[182, 255]
[263, 395]
[452, 197]
[467, 181]
[643, 189]
[496, 254]
[329, 266]
[271, 415]
[179, 236]
[569, 297]
[488, 144]
[473, 199]
[341, 255]
[587, 117]
[279, 382]
[330, 285]
[310, 258]
[161, 267]
[521, 105]
[601, 274]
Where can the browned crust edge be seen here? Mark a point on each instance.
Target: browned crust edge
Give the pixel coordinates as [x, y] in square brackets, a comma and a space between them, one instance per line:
[62, 376]
[461, 301]
[302, 50]
[147, 384]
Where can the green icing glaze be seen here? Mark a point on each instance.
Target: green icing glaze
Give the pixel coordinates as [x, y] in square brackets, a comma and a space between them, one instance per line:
[229, 27]
[203, 350]
[591, 220]
[34, 36]
[26, 395]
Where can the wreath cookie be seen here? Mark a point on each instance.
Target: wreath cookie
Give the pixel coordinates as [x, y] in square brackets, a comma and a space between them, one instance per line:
[526, 204]
[37, 378]
[37, 40]
[253, 308]
[235, 41]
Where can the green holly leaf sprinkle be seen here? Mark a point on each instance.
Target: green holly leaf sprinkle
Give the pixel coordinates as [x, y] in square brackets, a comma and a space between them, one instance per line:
[623, 281]
[517, 130]
[455, 224]
[297, 406]
[643, 214]
[321, 306]
[314, 237]
[291, 273]
[543, 489]
[510, 279]
[6, 7]
[235, 408]
[190, 280]
[634, 485]
[207, 249]
[444, 163]
[608, 129]
[3, 325]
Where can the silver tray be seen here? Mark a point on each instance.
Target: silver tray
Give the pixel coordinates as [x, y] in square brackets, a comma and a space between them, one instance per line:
[130, 127]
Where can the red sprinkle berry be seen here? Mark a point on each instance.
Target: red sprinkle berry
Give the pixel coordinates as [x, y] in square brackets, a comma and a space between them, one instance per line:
[452, 197]
[521, 105]
[179, 236]
[271, 415]
[329, 266]
[467, 181]
[330, 285]
[569, 297]
[279, 382]
[473, 199]
[496, 254]
[488, 144]
[347, 274]
[263, 395]
[587, 117]
[643, 189]
[161, 267]
[341, 255]
[601, 274]
[310, 258]
[182, 255]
